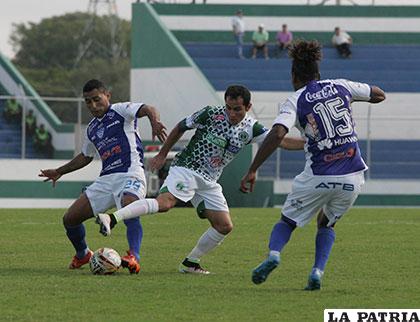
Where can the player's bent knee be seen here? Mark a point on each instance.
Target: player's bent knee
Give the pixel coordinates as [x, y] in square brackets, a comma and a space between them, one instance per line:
[225, 228]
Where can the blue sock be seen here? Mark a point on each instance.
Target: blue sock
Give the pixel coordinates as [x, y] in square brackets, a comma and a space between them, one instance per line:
[323, 244]
[77, 234]
[134, 235]
[281, 233]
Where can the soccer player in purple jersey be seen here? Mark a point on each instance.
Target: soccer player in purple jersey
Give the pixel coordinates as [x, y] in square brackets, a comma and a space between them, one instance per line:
[334, 170]
[112, 134]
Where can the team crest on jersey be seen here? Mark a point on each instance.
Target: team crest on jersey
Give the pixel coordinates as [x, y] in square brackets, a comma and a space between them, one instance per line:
[100, 132]
[111, 114]
[243, 136]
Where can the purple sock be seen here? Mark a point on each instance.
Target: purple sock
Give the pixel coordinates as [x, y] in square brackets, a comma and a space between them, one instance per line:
[77, 234]
[281, 233]
[134, 235]
[323, 244]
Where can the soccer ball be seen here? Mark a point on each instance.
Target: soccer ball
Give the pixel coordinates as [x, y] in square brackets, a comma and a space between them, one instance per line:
[105, 261]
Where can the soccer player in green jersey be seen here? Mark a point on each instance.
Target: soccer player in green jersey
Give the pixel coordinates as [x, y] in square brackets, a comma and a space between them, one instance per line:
[221, 133]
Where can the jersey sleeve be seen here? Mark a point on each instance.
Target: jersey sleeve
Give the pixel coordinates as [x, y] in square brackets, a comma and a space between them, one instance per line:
[127, 110]
[88, 149]
[259, 132]
[196, 119]
[287, 115]
[358, 91]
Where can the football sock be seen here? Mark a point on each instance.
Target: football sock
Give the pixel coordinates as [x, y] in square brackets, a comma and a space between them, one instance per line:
[137, 208]
[76, 234]
[134, 236]
[209, 240]
[323, 244]
[281, 233]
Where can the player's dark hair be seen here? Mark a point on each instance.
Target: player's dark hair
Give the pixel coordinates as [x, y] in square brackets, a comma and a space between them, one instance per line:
[306, 56]
[94, 84]
[235, 91]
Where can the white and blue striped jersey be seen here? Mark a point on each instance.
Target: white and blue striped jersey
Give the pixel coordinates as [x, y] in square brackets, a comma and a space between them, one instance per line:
[114, 137]
[322, 112]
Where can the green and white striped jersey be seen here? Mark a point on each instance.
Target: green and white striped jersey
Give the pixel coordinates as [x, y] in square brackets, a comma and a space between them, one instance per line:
[216, 142]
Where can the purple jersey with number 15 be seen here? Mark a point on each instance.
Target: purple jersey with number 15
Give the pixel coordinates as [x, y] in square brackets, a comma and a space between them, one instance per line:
[322, 112]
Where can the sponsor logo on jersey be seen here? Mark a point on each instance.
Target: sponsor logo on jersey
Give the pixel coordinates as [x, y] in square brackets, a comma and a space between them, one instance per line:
[108, 153]
[233, 148]
[325, 144]
[215, 162]
[220, 142]
[100, 132]
[311, 128]
[113, 123]
[219, 117]
[349, 139]
[325, 92]
[340, 155]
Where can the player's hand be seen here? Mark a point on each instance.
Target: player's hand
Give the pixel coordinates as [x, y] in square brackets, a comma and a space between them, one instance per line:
[157, 162]
[159, 131]
[248, 182]
[51, 175]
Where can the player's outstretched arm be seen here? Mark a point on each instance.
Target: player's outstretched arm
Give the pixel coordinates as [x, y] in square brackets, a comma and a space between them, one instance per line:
[270, 143]
[53, 175]
[158, 128]
[159, 160]
[292, 144]
[377, 95]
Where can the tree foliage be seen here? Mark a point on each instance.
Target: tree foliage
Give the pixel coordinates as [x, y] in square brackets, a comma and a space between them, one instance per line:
[47, 54]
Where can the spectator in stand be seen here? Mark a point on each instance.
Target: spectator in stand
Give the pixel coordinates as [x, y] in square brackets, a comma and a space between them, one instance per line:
[342, 41]
[30, 122]
[260, 41]
[238, 28]
[284, 39]
[12, 112]
[42, 141]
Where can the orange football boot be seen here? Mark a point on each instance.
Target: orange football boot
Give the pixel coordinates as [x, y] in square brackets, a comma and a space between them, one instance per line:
[79, 262]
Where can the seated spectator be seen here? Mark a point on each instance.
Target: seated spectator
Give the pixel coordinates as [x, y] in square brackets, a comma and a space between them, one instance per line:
[12, 111]
[260, 41]
[42, 141]
[284, 39]
[342, 41]
[30, 122]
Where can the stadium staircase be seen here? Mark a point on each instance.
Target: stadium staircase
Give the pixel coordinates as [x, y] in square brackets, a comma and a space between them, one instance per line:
[11, 139]
[393, 68]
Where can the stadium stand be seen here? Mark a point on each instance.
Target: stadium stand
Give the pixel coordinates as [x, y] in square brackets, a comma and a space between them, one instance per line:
[10, 144]
[392, 67]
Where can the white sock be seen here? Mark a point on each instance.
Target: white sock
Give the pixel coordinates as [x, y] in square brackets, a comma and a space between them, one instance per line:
[137, 208]
[209, 240]
[274, 253]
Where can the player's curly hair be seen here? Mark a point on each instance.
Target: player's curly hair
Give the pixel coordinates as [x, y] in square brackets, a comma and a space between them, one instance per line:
[306, 56]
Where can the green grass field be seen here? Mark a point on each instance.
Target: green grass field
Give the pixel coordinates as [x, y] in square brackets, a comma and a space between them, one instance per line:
[375, 263]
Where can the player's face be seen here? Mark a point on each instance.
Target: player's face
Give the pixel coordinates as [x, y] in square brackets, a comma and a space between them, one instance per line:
[97, 102]
[235, 109]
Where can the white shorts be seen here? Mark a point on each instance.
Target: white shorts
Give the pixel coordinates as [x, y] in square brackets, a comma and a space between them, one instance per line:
[334, 195]
[187, 185]
[106, 191]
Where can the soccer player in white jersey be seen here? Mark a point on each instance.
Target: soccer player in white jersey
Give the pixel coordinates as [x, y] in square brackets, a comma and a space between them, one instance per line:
[334, 171]
[221, 132]
[113, 135]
